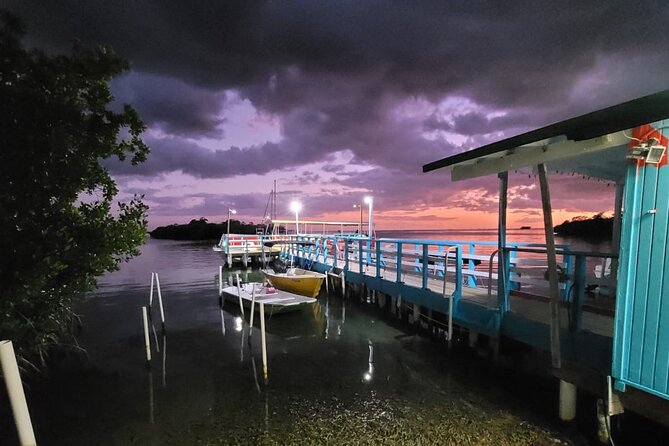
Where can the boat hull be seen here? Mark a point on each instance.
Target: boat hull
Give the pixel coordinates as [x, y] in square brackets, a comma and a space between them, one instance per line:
[275, 302]
[305, 283]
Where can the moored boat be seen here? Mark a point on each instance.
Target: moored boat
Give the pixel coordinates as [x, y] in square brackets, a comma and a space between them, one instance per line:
[275, 301]
[296, 280]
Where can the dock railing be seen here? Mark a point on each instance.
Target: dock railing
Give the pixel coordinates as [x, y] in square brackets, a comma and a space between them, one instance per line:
[585, 279]
[468, 269]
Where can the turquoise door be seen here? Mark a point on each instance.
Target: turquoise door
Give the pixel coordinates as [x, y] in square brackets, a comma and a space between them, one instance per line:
[641, 334]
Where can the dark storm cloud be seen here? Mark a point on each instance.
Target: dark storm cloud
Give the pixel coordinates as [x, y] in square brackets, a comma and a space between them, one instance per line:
[171, 105]
[334, 71]
[202, 204]
[505, 54]
[477, 123]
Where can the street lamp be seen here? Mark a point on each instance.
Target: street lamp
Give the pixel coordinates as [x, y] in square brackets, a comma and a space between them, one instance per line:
[370, 201]
[359, 205]
[230, 212]
[296, 207]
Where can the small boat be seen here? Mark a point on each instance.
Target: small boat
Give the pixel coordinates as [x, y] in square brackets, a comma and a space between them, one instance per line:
[296, 280]
[275, 301]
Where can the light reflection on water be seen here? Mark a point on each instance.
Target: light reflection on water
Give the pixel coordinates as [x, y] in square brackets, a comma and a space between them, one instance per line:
[331, 367]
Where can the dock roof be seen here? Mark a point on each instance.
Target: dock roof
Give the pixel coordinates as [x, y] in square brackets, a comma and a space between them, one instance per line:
[570, 145]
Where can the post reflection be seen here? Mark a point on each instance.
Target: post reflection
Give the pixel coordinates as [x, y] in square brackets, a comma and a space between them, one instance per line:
[368, 375]
[164, 359]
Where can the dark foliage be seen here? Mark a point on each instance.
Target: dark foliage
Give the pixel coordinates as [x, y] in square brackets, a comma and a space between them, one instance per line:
[58, 230]
[203, 230]
[593, 228]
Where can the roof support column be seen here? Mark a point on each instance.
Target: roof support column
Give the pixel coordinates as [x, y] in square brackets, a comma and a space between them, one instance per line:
[617, 217]
[554, 304]
[502, 302]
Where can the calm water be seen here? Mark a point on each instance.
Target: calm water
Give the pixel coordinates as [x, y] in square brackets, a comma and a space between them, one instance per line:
[490, 235]
[341, 373]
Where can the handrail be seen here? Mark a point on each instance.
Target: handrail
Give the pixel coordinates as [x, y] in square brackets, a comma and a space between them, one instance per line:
[443, 292]
[562, 252]
[494, 253]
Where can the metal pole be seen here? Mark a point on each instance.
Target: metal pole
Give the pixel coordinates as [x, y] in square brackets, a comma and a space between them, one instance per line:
[297, 222]
[228, 225]
[617, 217]
[501, 241]
[371, 225]
[17, 398]
[556, 357]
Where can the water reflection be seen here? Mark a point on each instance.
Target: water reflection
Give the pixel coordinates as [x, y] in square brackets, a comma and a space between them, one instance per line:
[210, 390]
[164, 360]
[370, 363]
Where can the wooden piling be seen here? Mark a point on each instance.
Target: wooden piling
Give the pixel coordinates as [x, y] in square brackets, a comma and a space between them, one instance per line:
[263, 341]
[554, 305]
[160, 302]
[17, 398]
[147, 342]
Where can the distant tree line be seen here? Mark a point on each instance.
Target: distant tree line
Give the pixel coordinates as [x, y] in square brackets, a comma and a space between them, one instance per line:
[596, 227]
[203, 230]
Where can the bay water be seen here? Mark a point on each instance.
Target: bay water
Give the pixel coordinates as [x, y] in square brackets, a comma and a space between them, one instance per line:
[341, 372]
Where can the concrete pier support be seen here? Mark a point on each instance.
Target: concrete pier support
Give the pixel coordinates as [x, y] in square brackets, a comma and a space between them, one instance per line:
[567, 401]
[603, 422]
[473, 338]
[381, 300]
[416, 314]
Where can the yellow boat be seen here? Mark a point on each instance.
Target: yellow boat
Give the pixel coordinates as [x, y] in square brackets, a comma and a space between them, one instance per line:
[296, 280]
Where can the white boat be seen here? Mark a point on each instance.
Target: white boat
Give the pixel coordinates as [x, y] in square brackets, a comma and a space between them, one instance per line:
[275, 301]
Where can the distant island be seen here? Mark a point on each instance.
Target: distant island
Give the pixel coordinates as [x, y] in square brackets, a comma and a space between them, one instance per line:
[203, 230]
[526, 227]
[594, 228]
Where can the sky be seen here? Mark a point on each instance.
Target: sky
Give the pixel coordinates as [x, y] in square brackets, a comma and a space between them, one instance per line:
[336, 100]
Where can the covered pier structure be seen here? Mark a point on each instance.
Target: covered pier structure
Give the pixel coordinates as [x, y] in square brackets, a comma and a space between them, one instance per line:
[615, 343]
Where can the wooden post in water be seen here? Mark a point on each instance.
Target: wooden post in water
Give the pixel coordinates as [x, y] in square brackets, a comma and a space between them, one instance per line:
[253, 306]
[153, 278]
[220, 280]
[239, 294]
[147, 342]
[17, 398]
[556, 357]
[263, 341]
[160, 302]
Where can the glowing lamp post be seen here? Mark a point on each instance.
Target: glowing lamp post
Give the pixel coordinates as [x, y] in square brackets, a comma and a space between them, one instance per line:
[296, 207]
[370, 202]
[230, 212]
[359, 205]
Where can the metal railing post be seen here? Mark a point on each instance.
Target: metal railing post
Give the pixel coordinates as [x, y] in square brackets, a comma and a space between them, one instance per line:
[378, 258]
[425, 265]
[399, 262]
[471, 279]
[458, 272]
[578, 289]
